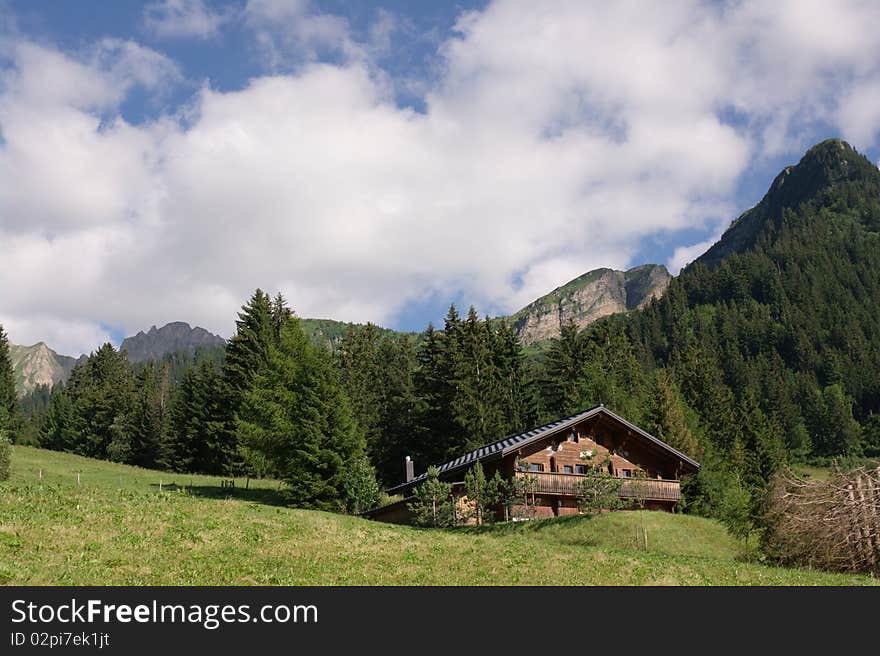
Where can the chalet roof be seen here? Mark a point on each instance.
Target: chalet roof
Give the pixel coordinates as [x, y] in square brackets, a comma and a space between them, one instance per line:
[505, 446]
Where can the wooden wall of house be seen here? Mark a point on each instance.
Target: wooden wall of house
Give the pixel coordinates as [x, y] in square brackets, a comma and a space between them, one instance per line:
[395, 513]
[606, 441]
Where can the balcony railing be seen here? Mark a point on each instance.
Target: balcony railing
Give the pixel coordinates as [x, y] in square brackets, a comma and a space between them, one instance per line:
[648, 489]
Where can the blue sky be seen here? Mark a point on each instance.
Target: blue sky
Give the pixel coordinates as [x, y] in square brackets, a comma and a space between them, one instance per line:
[379, 160]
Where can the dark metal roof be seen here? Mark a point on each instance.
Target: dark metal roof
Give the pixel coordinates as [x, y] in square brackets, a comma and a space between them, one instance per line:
[505, 446]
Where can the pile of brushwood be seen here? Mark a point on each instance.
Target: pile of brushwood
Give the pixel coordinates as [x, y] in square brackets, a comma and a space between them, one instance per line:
[832, 524]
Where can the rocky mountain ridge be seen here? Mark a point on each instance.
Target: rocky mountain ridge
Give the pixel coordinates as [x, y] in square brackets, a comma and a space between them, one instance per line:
[174, 336]
[589, 297]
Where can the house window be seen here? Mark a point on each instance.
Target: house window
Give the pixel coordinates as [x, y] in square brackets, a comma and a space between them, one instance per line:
[573, 437]
[567, 469]
[536, 467]
[580, 469]
[626, 473]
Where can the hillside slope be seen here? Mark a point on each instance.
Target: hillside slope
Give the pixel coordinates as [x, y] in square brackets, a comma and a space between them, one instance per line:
[117, 528]
[329, 332]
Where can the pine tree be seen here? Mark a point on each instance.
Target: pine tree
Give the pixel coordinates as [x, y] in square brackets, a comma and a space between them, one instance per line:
[563, 371]
[433, 504]
[361, 374]
[667, 415]
[10, 421]
[149, 415]
[248, 350]
[516, 395]
[435, 389]
[59, 428]
[476, 404]
[298, 417]
[360, 489]
[836, 431]
[484, 494]
[196, 439]
[102, 394]
[257, 329]
[377, 374]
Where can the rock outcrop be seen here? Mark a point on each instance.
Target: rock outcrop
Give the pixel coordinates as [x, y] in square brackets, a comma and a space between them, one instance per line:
[589, 297]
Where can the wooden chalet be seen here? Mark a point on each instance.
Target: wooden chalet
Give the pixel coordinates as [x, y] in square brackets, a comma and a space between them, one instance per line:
[555, 458]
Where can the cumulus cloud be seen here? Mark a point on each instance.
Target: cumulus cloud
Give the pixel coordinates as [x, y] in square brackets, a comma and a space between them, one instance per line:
[291, 31]
[554, 139]
[184, 18]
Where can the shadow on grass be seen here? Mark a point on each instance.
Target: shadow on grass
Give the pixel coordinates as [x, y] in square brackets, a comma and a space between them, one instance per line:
[267, 496]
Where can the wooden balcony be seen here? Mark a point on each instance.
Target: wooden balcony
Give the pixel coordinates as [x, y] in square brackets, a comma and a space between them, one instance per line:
[648, 489]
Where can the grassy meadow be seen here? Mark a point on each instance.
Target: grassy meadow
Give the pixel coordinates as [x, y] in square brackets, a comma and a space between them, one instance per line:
[117, 527]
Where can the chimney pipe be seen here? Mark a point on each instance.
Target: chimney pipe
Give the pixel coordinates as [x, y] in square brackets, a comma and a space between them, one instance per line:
[409, 469]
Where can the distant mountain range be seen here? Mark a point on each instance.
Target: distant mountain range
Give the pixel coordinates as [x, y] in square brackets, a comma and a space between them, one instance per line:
[585, 299]
[39, 365]
[593, 295]
[172, 337]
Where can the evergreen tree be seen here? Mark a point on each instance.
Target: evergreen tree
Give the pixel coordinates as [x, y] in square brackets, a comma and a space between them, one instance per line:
[361, 374]
[516, 393]
[149, 415]
[257, 331]
[433, 504]
[836, 431]
[484, 494]
[196, 440]
[102, 392]
[377, 372]
[563, 372]
[667, 415]
[476, 406]
[438, 357]
[248, 350]
[361, 491]
[60, 426]
[298, 417]
[401, 431]
[9, 413]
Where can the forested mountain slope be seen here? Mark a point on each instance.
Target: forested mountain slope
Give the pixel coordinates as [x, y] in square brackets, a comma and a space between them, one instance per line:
[782, 316]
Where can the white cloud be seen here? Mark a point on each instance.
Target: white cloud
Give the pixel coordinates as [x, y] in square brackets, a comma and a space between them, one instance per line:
[556, 137]
[183, 18]
[859, 114]
[64, 336]
[290, 31]
[684, 255]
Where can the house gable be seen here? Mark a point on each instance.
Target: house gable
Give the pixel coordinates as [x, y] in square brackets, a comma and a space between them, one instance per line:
[628, 447]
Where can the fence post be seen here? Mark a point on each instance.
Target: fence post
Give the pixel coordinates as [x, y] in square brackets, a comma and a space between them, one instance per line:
[77, 478]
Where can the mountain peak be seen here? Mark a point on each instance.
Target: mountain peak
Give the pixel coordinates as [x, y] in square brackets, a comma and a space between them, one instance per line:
[825, 166]
[589, 297]
[38, 365]
[174, 336]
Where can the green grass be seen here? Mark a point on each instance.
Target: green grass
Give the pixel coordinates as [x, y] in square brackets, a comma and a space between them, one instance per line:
[116, 527]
